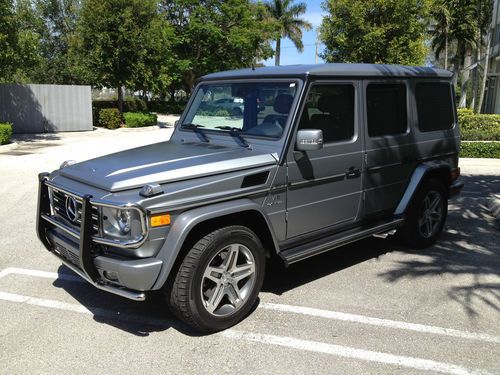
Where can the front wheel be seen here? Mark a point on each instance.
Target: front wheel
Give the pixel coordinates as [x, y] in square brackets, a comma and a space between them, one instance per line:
[426, 215]
[219, 280]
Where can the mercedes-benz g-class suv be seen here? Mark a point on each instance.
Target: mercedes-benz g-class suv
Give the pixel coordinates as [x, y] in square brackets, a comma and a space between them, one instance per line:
[311, 158]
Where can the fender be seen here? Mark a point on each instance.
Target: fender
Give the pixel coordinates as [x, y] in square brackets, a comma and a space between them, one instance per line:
[416, 180]
[186, 221]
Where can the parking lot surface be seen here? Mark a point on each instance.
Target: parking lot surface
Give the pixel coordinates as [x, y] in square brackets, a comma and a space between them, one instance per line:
[371, 307]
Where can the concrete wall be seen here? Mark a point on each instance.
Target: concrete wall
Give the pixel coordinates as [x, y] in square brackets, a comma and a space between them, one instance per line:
[46, 108]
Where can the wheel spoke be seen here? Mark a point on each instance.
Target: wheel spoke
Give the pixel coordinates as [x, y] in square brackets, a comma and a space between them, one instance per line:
[216, 298]
[435, 204]
[234, 295]
[429, 226]
[210, 271]
[242, 272]
[232, 257]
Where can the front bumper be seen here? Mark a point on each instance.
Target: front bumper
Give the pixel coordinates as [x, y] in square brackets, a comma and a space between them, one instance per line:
[121, 276]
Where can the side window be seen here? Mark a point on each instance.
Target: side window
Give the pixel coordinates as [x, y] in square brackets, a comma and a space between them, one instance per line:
[386, 107]
[434, 106]
[331, 109]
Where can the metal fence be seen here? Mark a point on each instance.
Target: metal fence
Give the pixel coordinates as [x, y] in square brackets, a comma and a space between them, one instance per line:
[46, 108]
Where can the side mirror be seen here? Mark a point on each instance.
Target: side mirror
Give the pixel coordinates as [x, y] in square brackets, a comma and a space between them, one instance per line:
[309, 140]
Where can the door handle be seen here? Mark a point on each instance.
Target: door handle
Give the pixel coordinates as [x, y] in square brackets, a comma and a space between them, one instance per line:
[353, 172]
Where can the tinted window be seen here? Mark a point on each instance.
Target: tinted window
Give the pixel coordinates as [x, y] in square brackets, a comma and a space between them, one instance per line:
[386, 106]
[331, 109]
[434, 106]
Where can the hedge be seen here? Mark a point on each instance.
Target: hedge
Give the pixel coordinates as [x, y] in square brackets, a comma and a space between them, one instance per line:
[480, 150]
[110, 118]
[478, 127]
[5, 133]
[129, 105]
[138, 119]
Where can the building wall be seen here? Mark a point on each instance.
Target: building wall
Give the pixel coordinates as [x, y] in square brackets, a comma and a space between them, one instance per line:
[46, 108]
[492, 95]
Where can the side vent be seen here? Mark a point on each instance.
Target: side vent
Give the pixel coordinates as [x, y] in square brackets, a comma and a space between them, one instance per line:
[255, 179]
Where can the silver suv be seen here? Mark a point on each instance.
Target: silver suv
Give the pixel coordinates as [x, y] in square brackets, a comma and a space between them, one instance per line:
[320, 156]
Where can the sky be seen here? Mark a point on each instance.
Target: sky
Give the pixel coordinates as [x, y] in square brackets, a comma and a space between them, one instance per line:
[289, 54]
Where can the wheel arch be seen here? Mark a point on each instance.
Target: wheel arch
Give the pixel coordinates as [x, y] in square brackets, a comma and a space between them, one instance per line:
[191, 225]
[437, 169]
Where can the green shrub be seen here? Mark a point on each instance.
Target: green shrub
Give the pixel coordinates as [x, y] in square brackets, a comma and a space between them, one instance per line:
[480, 150]
[478, 127]
[5, 133]
[129, 105]
[110, 118]
[138, 119]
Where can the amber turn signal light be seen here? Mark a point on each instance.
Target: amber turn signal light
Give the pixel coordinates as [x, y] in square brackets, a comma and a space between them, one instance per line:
[160, 220]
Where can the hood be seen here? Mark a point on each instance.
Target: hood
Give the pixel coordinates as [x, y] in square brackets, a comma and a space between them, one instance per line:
[163, 163]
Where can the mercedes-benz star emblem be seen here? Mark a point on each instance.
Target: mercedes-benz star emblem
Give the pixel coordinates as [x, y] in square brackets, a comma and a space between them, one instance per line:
[72, 209]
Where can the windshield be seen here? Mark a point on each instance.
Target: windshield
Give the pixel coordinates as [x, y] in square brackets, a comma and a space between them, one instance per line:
[256, 108]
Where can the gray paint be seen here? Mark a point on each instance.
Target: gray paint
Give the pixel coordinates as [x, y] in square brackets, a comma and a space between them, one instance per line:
[308, 195]
[46, 108]
[334, 70]
[164, 163]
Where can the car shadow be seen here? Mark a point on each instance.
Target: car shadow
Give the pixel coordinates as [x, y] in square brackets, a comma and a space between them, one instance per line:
[137, 318]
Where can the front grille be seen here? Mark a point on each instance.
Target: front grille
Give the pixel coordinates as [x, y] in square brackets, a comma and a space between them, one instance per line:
[58, 202]
[67, 254]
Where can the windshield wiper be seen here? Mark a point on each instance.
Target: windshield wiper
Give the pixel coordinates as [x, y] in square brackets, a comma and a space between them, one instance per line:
[236, 132]
[197, 129]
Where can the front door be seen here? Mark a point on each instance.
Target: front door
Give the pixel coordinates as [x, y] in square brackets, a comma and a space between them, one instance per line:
[324, 186]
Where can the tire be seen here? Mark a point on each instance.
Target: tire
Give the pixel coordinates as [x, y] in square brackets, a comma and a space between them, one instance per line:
[426, 215]
[218, 281]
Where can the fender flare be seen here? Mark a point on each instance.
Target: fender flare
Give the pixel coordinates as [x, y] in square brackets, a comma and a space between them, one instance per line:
[419, 174]
[186, 221]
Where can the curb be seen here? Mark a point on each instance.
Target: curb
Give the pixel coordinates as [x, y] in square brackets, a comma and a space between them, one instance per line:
[9, 146]
[494, 206]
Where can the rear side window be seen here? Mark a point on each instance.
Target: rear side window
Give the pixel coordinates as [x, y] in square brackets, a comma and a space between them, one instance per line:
[434, 106]
[386, 107]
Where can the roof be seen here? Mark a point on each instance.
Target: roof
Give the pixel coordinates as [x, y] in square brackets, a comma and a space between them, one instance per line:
[333, 70]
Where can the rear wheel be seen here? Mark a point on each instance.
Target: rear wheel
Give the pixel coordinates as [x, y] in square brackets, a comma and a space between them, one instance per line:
[426, 215]
[219, 279]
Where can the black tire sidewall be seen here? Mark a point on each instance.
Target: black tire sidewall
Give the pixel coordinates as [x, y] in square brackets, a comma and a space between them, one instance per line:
[225, 237]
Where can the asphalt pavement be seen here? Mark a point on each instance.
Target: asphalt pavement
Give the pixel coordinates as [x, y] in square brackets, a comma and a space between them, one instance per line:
[370, 307]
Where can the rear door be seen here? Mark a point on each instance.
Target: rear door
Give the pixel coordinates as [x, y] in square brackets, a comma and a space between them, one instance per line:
[391, 151]
[324, 186]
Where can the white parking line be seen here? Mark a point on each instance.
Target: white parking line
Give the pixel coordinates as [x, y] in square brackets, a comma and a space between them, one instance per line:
[354, 353]
[387, 323]
[309, 311]
[381, 322]
[290, 342]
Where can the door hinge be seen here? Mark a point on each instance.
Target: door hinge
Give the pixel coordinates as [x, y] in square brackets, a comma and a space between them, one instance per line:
[364, 195]
[286, 215]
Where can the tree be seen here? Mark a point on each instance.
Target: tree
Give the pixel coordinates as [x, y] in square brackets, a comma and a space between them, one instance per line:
[214, 35]
[122, 43]
[8, 40]
[287, 16]
[464, 27]
[376, 31]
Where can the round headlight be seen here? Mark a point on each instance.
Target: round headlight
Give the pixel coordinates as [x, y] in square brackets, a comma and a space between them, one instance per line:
[124, 219]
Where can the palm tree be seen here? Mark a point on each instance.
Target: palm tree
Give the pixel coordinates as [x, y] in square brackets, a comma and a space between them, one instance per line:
[287, 16]
[441, 30]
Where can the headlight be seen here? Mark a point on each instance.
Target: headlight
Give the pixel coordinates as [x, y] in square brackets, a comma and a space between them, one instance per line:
[122, 224]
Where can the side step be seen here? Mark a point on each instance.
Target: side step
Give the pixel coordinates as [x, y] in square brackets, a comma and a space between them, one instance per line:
[310, 249]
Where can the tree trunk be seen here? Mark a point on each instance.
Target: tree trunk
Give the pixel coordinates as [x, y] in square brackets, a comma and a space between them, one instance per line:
[485, 72]
[446, 52]
[120, 98]
[465, 75]
[475, 73]
[456, 68]
[278, 52]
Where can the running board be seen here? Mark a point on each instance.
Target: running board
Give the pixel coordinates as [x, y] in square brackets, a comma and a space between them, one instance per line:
[298, 253]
